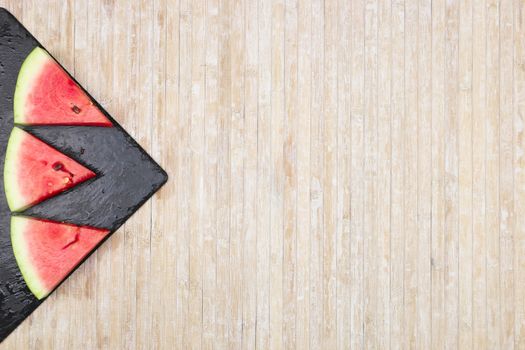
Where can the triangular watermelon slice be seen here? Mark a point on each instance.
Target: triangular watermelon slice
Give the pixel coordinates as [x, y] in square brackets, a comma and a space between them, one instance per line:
[34, 171]
[46, 252]
[46, 95]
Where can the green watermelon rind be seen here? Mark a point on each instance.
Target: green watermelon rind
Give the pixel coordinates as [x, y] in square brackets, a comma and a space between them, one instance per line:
[28, 74]
[21, 253]
[14, 197]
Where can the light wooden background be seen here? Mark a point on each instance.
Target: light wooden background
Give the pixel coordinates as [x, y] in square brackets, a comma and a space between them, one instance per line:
[343, 174]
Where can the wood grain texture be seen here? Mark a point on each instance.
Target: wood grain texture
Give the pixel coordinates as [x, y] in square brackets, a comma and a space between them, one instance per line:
[343, 174]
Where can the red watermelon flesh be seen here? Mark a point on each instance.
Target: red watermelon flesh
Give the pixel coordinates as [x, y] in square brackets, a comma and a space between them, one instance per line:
[34, 171]
[46, 252]
[46, 95]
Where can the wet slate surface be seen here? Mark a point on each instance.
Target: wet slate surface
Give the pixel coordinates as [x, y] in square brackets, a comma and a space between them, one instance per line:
[126, 175]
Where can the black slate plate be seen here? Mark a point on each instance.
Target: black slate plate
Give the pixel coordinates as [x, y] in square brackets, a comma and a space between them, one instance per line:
[126, 175]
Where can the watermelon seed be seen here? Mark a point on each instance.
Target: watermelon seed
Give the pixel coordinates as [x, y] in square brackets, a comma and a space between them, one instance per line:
[76, 110]
[58, 166]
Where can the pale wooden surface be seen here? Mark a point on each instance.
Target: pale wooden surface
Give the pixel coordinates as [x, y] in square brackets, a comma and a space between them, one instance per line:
[342, 174]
